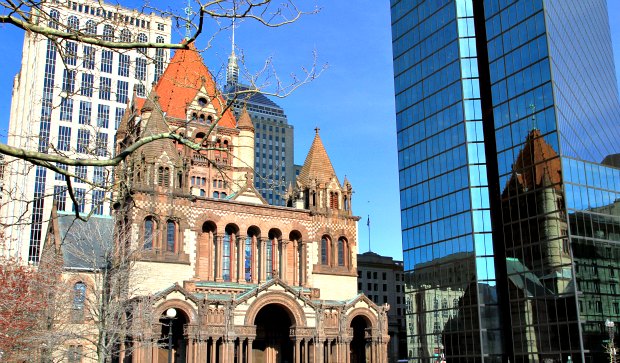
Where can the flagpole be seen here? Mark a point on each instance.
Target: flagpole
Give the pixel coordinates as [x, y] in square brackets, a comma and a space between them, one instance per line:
[368, 224]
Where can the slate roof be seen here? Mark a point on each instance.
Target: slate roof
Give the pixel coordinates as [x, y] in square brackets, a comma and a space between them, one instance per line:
[317, 165]
[181, 81]
[525, 279]
[250, 97]
[85, 245]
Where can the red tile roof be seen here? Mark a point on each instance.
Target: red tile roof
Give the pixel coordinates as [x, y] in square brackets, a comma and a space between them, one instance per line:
[181, 81]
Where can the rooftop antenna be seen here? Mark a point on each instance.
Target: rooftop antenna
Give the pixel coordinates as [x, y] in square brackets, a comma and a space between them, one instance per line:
[189, 12]
[233, 36]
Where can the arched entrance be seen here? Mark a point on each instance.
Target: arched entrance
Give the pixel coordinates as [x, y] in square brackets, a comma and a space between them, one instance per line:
[273, 342]
[359, 348]
[172, 331]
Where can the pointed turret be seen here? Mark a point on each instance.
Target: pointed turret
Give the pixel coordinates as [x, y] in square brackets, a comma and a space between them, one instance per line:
[317, 183]
[317, 168]
[245, 122]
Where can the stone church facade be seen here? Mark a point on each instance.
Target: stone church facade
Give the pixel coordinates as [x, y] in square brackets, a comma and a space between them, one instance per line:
[249, 282]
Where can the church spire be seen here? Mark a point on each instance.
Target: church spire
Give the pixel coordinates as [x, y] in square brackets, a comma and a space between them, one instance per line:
[232, 71]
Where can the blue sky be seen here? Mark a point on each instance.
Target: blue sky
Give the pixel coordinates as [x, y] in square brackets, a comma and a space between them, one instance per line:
[352, 102]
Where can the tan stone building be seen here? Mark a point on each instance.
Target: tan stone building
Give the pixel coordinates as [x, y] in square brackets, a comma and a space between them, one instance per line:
[249, 282]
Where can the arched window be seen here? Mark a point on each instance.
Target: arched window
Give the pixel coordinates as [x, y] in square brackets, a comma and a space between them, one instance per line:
[341, 252]
[142, 38]
[223, 195]
[53, 22]
[248, 252]
[324, 251]
[108, 33]
[171, 235]
[216, 195]
[125, 36]
[226, 256]
[159, 59]
[149, 232]
[79, 295]
[163, 176]
[333, 200]
[91, 27]
[73, 23]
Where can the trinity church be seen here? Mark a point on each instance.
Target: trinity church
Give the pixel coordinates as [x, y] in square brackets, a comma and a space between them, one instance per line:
[249, 282]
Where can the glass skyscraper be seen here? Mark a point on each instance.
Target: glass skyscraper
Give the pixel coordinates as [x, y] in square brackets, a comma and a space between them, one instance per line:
[508, 126]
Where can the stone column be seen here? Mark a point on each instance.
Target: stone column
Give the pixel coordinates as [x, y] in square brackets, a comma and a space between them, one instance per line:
[284, 261]
[263, 260]
[213, 351]
[295, 262]
[302, 263]
[275, 258]
[254, 262]
[297, 350]
[250, 352]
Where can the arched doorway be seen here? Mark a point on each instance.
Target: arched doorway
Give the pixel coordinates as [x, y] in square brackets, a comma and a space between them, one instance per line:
[273, 342]
[359, 345]
[172, 331]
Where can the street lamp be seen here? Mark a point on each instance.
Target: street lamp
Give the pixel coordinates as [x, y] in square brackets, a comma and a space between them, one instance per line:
[612, 350]
[171, 313]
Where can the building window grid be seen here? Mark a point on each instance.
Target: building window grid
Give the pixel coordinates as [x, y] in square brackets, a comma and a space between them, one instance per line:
[86, 88]
[84, 113]
[141, 69]
[71, 53]
[68, 81]
[81, 173]
[107, 57]
[123, 65]
[105, 88]
[80, 196]
[66, 109]
[83, 140]
[97, 202]
[64, 138]
[101, 146]
[60, 197]
[122, 91]
[103, 116]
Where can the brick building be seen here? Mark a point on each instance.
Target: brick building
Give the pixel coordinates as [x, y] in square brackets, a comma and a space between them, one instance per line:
[250, 282]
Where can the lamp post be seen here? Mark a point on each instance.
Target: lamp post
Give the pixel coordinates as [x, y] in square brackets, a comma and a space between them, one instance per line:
[170, 314]
[612, 350]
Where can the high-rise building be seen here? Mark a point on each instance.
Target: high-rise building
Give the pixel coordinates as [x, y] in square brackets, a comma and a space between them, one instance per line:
[274, 146]
[382, 280]
[68, 98]
[505, 111]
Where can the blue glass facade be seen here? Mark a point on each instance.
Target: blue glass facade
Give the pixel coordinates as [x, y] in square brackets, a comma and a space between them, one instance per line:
[504, 108]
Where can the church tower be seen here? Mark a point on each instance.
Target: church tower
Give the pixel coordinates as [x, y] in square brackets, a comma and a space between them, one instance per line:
[318, 188]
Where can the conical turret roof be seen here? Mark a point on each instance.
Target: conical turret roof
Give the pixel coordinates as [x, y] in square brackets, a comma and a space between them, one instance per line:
[183, 78]
[244, 121]
[156, 124]
[537, 163]
[317, 166]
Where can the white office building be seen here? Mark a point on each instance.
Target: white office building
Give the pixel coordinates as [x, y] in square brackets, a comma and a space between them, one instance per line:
[68, 99]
